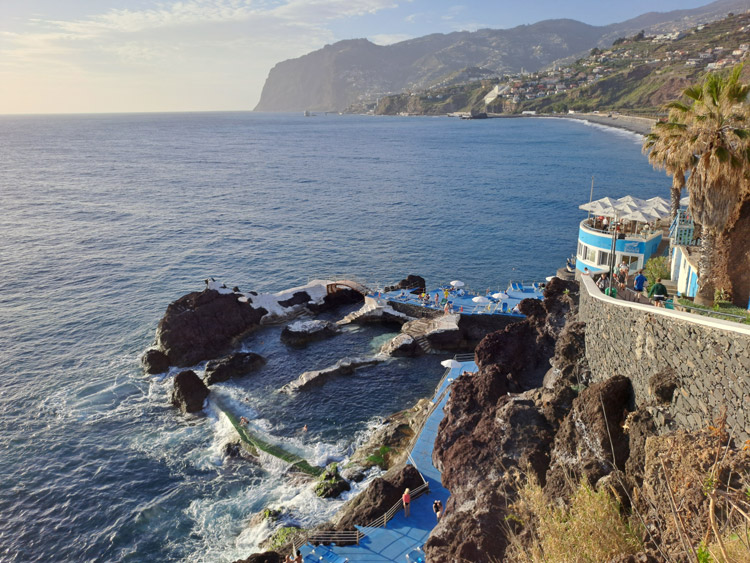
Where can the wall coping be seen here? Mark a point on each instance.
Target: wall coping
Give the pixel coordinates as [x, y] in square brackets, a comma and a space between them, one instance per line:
[696, 319]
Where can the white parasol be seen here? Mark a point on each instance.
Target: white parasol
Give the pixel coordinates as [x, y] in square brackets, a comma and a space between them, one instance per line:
[450, 364]
[457, 283]
[480, 299]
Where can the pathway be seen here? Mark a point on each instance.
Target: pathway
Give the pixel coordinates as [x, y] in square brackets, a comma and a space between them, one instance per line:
[403, 537]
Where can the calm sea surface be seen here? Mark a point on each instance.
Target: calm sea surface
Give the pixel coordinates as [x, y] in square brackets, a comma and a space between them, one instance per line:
[104, 220]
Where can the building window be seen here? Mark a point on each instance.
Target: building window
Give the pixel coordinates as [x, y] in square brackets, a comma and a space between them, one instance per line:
[603, 258]
[591, 255]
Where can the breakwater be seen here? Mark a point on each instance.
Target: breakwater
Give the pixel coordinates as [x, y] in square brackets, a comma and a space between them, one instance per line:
[705, 360]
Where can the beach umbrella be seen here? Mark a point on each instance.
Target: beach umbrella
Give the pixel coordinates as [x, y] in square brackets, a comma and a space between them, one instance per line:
[457, 283]
[640, 215]
[500, 295]
[450, 364]
[659, 212]
[685, 201]
[598, 208]
[480, 299]
[632, 200]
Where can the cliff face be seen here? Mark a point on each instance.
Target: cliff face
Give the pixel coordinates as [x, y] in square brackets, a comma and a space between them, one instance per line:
[347, 72]
[341, 74]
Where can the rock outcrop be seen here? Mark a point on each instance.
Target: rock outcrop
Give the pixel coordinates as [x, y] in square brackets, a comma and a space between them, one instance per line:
[331, 484]
[413, 283]
[189, 392]
[235, 365]
[154, 361]
[346, 366]
[301, 333]
[203, 325]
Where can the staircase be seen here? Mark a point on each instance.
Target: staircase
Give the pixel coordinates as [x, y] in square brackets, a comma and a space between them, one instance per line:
[361, 312]
[417, 330]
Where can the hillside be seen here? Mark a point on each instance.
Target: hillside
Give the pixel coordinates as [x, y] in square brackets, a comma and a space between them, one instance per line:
[636, 74]
[357, 71]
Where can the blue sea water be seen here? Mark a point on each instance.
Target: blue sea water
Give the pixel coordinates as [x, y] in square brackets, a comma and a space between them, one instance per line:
[105, 219]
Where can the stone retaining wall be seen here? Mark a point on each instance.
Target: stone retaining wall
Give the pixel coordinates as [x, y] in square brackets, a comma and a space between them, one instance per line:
[709, 359]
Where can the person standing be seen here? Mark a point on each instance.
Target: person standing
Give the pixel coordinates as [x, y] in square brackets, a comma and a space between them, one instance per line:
[406, 501]
[437, 506]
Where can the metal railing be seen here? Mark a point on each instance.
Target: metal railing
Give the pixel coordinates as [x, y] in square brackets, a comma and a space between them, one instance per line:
[348, 536]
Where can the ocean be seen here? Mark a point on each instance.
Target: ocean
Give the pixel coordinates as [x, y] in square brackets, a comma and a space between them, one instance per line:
[106, 219]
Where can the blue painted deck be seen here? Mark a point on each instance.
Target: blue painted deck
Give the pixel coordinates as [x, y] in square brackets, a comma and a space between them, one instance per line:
[460, 301]
[402, 536]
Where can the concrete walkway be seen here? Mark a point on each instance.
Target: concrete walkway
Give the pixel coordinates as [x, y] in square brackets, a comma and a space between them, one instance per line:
[403, 537]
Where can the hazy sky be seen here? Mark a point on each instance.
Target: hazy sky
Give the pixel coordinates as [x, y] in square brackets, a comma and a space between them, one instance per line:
[61, 56]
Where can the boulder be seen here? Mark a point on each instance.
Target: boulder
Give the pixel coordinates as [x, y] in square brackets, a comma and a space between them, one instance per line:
[353, 474]
[154, 361]
[379, 496]
[202, 325]
[331, 484]
[591, 442]
[265, 557]
[302, 332]
[235, 365]
[189, 392]
[297, 298]
[411, 282]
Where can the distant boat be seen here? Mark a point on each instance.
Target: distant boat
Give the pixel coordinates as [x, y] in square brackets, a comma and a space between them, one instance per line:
[307, 114]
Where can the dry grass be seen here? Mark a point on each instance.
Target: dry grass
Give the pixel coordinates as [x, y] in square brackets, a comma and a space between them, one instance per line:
[590, 529]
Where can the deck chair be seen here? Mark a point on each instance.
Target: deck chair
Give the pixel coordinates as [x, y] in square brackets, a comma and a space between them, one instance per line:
[505, 307]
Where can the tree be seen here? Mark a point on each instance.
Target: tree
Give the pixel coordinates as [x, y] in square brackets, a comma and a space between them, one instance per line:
[707, 138]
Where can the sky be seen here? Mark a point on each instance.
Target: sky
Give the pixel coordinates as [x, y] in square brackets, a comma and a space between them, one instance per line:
[94, 56]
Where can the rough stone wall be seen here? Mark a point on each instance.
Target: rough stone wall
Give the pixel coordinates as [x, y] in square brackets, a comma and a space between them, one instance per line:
[710, 359]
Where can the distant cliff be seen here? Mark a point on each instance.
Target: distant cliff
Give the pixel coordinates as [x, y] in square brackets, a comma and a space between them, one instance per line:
[352, 71]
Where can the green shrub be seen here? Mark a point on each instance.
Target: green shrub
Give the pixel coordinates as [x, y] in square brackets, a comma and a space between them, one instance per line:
[656, 268]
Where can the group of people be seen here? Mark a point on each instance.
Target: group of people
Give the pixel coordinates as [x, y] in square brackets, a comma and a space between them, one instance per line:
[657, 292]
[437, 505]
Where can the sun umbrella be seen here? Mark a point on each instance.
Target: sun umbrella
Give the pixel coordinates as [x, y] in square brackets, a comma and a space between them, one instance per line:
[457, 283]
[450, 364]
[480, 299]
[632, 200]
[685, 201]
[641, 215]
[658, 211]
[500, 295]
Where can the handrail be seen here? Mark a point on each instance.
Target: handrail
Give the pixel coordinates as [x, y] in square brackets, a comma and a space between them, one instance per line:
[329, 536]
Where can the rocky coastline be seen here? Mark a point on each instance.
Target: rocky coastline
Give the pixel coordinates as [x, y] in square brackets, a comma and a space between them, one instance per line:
[530, 417]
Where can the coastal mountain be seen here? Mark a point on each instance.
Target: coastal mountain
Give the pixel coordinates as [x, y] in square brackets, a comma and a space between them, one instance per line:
[351, 71]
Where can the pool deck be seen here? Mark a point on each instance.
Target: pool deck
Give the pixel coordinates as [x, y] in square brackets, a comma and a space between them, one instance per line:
[461, 301]
[403, 538]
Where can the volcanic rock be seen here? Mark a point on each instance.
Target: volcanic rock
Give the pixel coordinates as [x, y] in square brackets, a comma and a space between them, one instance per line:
[379, 496]
[155, 361]
[341, 297]
[301, 332]
[411, 282]
[202, 325]
[663, 384]
[266, 557]
[331, 483]
[189, 392]
[235, 365]
[590, 442]
[318, 377]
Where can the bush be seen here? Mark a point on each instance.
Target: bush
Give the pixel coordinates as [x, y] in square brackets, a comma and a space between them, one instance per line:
[656, 268]
[591, 527]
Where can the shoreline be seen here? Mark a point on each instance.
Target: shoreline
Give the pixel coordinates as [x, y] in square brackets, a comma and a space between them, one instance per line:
[631, 123]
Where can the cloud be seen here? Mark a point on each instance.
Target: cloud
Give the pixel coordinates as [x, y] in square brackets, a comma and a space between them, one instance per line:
[170, 46]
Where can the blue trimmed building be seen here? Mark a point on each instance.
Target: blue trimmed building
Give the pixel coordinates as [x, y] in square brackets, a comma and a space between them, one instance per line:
[595, 245]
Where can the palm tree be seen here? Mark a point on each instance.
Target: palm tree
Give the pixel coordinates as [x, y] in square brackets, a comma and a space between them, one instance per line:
[667, 151]
[707, 138]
